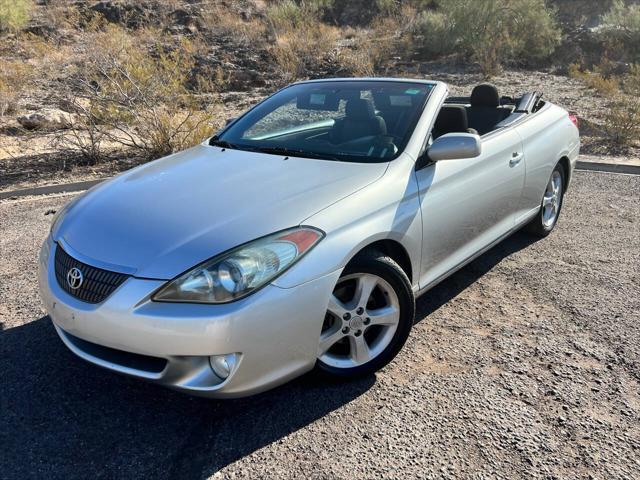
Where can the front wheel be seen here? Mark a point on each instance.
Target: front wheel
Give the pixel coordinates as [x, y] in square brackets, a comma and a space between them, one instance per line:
[547, 217]
[368, 319]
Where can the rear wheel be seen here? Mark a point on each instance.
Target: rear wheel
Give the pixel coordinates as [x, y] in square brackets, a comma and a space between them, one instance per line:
[368, 319]
[546, 219]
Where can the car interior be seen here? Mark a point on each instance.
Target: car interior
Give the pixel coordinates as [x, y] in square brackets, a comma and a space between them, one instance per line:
[375, 122]
[369, 123]
[484, 111]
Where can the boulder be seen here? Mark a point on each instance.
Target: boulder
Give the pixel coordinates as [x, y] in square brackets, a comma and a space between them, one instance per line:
[46, 119]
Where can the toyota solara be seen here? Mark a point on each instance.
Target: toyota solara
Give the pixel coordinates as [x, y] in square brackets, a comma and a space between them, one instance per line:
[299, 236]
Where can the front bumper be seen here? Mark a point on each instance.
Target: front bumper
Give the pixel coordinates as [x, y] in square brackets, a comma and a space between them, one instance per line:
[274, 333]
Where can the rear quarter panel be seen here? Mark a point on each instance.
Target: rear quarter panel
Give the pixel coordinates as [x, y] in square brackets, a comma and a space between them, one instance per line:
[547, 136]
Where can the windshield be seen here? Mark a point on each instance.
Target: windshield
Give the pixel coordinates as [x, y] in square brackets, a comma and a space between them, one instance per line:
[358, 121]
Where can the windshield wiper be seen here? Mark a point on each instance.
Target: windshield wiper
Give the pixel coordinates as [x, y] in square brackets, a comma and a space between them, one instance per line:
[295, 153]
[216, 142]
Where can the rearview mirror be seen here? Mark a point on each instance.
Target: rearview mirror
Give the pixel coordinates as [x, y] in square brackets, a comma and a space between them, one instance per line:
[455, 146]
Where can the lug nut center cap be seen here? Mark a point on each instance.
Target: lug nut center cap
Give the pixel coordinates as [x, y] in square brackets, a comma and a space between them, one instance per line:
[356, 323]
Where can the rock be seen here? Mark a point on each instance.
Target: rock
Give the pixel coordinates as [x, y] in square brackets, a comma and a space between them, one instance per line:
[46, 119]
[131, 14]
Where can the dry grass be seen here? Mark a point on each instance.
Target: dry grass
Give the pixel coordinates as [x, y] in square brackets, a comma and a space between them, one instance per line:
[301, 39]
[297, 49]
[133, 90]
[622, 119]
[15, 76]
[248, 32]
[605, 86]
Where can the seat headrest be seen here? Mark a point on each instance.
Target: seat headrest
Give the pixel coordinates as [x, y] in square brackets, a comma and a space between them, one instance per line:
[485, 95]
[451, 119]
[360, 109]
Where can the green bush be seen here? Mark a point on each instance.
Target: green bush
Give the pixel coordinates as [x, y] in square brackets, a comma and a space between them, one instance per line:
[285, 14]
[490, 32]
[435, 35]
[14, 14]
[621, 29]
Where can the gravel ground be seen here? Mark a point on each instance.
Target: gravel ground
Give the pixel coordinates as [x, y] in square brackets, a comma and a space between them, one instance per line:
[525, 364]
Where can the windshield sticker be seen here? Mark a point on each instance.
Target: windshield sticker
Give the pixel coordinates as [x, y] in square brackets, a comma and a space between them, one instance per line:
[400, 100]
[317, 99]
[412, 91]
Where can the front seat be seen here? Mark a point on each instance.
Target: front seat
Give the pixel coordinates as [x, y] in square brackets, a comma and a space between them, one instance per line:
[451, 119]
[360, 120]
[485, 111]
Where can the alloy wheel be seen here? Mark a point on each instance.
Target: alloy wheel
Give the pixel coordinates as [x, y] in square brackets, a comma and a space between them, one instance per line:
[361, 320]
[552, 200]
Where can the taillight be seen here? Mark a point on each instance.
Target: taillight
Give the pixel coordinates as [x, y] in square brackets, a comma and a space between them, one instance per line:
[574, 118]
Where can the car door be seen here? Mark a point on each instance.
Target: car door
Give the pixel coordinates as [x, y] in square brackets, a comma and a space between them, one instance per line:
[468, 204]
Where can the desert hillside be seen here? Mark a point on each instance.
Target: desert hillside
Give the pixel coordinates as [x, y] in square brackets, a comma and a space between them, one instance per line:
[91, 88]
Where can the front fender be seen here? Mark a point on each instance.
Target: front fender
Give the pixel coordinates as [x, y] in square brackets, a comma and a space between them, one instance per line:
[386, 209]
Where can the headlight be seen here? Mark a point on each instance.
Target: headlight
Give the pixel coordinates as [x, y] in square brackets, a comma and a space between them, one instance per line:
[237, 273]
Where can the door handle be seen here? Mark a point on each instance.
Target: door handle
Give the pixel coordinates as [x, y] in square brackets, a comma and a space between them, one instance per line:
[515, 159]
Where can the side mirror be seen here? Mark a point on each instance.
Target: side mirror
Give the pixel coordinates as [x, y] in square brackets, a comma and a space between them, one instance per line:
[455, 146]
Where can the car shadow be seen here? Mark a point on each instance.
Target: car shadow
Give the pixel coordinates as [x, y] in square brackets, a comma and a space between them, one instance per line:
[454, 285]
[64, 418]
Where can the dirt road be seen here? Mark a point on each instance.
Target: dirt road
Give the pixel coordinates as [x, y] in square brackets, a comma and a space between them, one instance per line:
[525, 364]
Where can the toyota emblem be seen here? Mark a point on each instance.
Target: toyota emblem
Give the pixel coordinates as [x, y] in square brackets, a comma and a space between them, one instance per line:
[74, 278]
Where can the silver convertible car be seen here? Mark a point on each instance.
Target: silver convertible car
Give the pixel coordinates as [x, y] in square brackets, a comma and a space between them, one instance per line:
[300, 235]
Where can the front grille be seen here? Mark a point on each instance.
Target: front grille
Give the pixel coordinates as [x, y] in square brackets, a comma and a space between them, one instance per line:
[97, 284]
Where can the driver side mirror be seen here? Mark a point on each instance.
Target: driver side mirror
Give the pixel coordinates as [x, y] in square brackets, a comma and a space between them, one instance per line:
[452, 146]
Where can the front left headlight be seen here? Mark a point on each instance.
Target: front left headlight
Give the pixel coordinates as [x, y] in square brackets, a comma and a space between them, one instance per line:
[241, 271]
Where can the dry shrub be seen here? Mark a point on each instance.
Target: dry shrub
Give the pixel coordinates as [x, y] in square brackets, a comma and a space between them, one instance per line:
[29, 61]
[388, 34]
[15, 76]
[433, 34]
[605, 86]
[358, 60]
[134, 92]
[490, 32]
[246, 32]
[622, 120]
[301, 39]
[621, 29]
[14, 14]
[61, 15]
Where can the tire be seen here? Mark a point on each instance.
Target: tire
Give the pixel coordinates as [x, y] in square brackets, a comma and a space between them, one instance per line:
[544, 222]
[382, 321]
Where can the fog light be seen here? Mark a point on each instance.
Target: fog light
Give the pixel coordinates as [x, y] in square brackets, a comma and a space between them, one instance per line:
[223, 365]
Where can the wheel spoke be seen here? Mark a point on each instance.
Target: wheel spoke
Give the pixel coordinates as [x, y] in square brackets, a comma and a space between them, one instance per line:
[328, 339]
[336, 307]
[366, 284]
[389, 315]
[547, 200]
[359, 351]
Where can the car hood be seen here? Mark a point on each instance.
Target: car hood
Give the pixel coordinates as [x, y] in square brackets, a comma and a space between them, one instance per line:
[164, 217]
